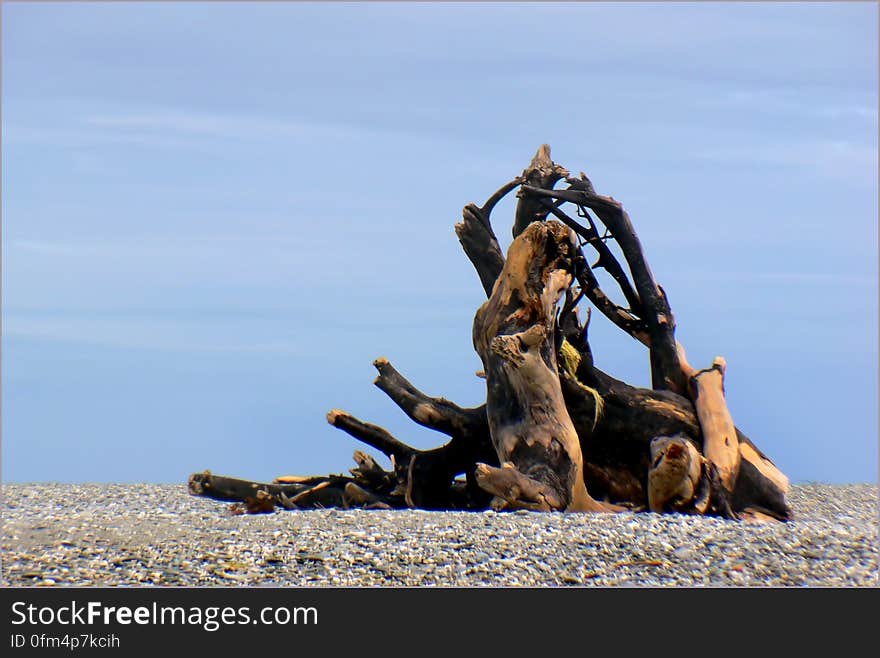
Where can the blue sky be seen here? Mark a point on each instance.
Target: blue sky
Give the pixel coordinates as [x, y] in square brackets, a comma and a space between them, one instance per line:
[215, 216]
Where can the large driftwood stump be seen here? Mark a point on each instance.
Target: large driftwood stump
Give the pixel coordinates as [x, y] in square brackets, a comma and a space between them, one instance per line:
[555, 432]
[515, 335]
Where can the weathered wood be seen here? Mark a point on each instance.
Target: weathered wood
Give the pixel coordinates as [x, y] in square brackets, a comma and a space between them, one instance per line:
[298, 479]
[323, 492]
[234, 489]
[757, 492]
[554, 427]
[607, 260]
[436, 413]
[616, 443]
[425, 478]
[354, 495]
[478, 239]
[720, 445]
[369, 471]
[542, 173]
[431, 472]
[513, 490]
[706, 390]
[480, 245]
[261, 503]
[674, 478]
[656, 313]
[514, 336]
[373, 435]
[762, 463]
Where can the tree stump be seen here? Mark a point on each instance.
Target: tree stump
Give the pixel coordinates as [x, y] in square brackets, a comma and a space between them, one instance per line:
[555, 432]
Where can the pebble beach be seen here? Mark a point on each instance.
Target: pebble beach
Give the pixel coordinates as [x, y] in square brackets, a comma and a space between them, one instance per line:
[160, 535]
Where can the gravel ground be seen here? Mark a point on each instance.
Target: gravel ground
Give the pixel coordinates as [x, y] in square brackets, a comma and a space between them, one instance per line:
[91, 534]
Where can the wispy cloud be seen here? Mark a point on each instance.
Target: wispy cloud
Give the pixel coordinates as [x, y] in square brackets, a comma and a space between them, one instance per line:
[177, 128]
[166, 262]
[151, 334]
[793, 102]
[831, 158]
[848, 111]
[782, 277]
[219, 126]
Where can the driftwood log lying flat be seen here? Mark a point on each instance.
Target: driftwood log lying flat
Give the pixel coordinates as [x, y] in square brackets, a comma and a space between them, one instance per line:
[556, 432]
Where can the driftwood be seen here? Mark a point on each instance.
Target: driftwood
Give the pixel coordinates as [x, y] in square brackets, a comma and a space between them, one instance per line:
[556, 432]
[514, 334]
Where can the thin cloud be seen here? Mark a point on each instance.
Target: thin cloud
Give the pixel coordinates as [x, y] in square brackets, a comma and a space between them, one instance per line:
[814, 278]
[173, 336]
[833, 159]
[786, 101]
[177, 128]
[848, 111]
[217, 126]
[200, 124]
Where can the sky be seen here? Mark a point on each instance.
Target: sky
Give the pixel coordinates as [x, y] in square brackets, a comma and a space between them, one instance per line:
[216, 215]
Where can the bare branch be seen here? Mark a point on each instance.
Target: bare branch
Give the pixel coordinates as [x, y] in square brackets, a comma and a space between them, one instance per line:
[543, 173]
